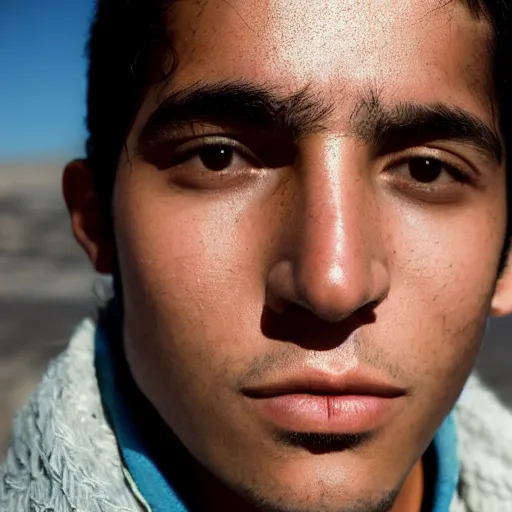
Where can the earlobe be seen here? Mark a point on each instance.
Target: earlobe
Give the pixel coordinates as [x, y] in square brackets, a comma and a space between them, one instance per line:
[87, 223]
[501, 304]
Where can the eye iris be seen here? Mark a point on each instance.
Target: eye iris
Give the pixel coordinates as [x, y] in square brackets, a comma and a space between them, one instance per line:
[216, 158]
[425, 170]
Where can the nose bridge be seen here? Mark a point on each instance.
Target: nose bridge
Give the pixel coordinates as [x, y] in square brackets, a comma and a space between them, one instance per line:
[338, 268]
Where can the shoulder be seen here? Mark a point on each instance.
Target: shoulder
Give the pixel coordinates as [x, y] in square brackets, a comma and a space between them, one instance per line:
[484, 443]
[63, 454]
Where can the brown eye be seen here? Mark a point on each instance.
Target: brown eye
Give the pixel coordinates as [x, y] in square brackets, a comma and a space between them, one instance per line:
[216, 157]
[425, 170]
[429, 178]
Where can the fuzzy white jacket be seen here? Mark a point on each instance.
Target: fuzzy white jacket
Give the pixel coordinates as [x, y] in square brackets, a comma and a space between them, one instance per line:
[64, 457]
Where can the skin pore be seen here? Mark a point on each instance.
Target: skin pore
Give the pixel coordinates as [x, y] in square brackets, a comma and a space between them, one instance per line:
[320, 186]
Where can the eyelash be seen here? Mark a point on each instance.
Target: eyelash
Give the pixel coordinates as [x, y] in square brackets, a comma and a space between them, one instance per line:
[184, 155]
[448, 166]
[457, 171]
[191, 149]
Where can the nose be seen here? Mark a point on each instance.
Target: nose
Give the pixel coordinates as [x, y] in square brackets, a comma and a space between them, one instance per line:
[338, 263]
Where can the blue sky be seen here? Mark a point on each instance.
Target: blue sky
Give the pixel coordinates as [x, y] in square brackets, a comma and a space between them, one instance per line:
[42, 78]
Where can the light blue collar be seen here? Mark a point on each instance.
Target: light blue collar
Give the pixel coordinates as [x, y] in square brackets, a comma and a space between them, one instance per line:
[445, 446]
[158, 491]
[151, 483]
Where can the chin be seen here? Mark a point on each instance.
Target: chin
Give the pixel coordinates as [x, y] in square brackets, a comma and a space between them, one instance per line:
[317, 483]
[318, 496]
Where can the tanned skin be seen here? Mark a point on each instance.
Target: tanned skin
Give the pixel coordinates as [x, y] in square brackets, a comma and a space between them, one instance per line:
[320, 186]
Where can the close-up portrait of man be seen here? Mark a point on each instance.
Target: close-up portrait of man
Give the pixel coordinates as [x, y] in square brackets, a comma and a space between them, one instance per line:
[303, 205]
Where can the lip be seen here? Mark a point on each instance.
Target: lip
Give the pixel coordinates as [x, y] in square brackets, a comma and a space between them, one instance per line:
[350, 403]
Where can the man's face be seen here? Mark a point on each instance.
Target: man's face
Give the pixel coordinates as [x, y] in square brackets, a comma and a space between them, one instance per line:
[329, 272]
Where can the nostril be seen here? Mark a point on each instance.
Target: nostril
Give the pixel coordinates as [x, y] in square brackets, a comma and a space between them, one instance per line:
[296, 324]
[275, 303]
[336, 293]
[367, 313]
[333, 302]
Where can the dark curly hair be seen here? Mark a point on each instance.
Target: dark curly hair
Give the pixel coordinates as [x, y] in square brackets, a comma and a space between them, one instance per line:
[128, 40]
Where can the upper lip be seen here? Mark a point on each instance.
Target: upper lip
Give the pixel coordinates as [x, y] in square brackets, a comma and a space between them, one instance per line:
[327, 384]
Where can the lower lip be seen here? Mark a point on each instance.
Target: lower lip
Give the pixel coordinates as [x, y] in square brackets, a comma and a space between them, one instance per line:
[345, 414]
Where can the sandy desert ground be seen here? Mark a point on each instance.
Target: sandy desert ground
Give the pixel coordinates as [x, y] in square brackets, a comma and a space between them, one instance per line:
[46, 287]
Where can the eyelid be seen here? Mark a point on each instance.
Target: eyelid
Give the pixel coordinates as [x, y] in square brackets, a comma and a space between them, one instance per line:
[188, 149]
[459, 165]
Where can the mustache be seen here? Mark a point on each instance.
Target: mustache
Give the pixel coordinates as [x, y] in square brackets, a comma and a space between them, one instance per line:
[352, 352]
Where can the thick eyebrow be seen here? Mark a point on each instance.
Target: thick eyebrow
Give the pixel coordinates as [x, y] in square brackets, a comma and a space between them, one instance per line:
[248, 106]
[410, 123]
[237, 104]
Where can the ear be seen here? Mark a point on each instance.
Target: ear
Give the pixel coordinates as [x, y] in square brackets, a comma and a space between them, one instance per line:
[89, 227]
[501, 304]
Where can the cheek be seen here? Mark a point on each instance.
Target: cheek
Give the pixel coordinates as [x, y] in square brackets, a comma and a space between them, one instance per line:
[193, 289]
[182, 261]
[193, 281]
[444, 269]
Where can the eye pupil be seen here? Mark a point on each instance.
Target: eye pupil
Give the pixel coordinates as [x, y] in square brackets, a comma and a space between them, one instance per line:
[216, 158]
[425, 170]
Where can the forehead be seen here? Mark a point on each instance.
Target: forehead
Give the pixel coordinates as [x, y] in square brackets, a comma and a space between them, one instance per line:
[407, 50]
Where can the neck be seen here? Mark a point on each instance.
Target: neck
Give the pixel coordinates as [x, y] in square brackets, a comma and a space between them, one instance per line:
[410, 498]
